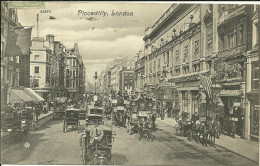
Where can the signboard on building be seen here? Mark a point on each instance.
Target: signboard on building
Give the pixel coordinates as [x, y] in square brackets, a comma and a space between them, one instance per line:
[142, 113]
[95, 98]
[114, 101]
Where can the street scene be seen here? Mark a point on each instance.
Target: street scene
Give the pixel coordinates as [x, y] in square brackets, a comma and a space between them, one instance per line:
[86, 83]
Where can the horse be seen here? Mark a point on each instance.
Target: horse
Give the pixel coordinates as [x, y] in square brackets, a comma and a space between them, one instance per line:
[212, 132]
[195, 130]
[203, 131]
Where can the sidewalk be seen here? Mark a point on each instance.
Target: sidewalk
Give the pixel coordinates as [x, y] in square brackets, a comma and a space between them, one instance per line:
[246, 148]
[39, 118]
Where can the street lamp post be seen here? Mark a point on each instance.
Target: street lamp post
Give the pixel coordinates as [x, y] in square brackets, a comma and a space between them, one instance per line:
[95, 76]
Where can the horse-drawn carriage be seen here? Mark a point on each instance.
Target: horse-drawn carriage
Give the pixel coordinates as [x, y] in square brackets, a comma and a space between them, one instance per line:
[96, 141]
[71, 119]
[16, 123]
[60, 107]
[120, 116]
[27, 119]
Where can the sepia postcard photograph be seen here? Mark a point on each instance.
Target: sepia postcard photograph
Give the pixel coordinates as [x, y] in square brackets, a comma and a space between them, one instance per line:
[130, 83]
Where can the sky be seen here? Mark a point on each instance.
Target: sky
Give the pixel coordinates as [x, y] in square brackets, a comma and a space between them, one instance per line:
[100, 38]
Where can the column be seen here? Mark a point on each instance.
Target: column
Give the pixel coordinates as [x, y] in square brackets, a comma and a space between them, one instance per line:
[247, 109]
[180, 102]
[189, 103]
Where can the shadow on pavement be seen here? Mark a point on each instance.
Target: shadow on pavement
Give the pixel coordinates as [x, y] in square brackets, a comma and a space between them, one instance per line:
[17, 152]
[47, 124]
[119, 159]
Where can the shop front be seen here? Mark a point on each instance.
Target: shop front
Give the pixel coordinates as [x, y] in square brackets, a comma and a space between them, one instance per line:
[233, 112]
[253, 97]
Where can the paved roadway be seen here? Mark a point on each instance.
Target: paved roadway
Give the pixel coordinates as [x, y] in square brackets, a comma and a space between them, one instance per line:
[49, 145]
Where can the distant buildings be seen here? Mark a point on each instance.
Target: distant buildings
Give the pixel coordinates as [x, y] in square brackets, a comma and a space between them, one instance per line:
[119, 76]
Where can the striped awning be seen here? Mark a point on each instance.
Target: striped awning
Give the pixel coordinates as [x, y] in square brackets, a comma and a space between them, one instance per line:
[18, 96]
[33, 95]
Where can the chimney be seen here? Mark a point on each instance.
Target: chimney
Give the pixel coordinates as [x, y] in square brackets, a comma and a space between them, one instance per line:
[50, 38]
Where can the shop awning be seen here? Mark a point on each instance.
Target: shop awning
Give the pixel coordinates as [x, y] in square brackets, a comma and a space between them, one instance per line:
[18, 96]
[33, 95]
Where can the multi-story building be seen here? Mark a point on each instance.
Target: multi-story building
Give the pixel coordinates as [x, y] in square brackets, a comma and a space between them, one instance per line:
[190, 40]
[126, 81]
[117, 66]
[44, 67]
[73, 73]
[139, 75]
[107, 81]
[59, 51]
[10, 66]
[252, 81]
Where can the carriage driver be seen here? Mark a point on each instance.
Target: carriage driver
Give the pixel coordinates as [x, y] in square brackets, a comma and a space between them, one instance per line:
[96, 132]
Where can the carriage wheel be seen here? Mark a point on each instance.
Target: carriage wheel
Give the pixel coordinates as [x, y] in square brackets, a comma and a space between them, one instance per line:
[64, 126]
[78, 126]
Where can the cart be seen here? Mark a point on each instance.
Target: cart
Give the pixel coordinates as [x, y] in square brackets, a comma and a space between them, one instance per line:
[71, 119]
[96, 150]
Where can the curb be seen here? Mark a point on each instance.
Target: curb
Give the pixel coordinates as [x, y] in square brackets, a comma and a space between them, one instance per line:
[257, 162]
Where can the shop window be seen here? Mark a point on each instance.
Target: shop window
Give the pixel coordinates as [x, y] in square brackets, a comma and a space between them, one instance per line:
[255, 75]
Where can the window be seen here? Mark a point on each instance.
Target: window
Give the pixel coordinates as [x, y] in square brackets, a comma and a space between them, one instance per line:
[167, 57]
[73, 84]
[185, 53]
[154, 65]
[36, 69]
[208, 65]
[2, 49]
[196, 67]
[36, 57]
[125, 81]
[196, 47]
[186, 70]
[210, 40]
[131, 80]
[255, 75]
[131, 74]
[159, 64]
[177, 72]
[177, 55]
[2, 28]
